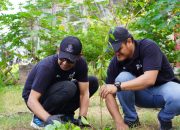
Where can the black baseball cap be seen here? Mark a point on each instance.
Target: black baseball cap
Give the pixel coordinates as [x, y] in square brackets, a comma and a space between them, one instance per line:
[70, 48]
[118, 35]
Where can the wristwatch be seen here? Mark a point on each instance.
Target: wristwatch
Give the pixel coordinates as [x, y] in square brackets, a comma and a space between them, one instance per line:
[118, 86]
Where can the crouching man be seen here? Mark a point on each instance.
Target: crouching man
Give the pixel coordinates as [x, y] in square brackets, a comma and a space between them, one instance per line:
[58, 85]
[139, 74]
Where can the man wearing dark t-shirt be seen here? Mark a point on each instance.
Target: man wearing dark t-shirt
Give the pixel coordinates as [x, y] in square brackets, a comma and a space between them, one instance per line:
[139, 74]
[58, 85]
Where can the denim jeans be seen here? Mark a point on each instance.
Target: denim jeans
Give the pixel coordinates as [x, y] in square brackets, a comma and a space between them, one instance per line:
[165, 96]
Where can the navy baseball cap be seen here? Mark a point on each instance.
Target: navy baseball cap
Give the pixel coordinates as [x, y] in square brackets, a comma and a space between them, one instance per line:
[70, 48]
[118, 35]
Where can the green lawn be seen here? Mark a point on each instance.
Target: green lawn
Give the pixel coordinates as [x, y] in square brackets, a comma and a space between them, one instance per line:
[15, 116]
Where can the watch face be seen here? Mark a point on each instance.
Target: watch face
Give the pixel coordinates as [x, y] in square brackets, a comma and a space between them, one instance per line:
[117, 83]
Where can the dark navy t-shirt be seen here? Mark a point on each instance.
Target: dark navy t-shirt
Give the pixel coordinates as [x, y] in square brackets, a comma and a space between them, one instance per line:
[47, 72]
[147, 56]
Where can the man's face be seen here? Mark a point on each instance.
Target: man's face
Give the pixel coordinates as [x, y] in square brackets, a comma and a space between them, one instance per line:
[65, 64]
[126, 50]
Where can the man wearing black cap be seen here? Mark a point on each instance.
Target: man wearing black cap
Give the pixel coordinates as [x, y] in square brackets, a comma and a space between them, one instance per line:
[58, 85]
[139, 74]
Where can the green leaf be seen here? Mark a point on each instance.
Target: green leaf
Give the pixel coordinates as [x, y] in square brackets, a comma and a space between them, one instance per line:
[50, 127]
[76, 128]
[84, 121]
[57, 123]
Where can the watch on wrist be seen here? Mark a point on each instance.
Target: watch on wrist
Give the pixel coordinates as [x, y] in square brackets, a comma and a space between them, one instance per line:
[118, 86]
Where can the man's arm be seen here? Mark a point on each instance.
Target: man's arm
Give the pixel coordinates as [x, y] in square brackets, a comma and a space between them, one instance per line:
[114, 111]
[35, 106]
[141, 82]
[84, 98]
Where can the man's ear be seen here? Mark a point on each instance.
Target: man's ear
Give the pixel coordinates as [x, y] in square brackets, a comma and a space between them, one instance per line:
[129, 40]
[81, 54]
[58, 50]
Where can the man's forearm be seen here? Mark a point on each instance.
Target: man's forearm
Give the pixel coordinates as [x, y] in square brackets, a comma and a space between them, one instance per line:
[138, 83]
[84, 104]
[135, 84]
[113, 109]
[37, 109]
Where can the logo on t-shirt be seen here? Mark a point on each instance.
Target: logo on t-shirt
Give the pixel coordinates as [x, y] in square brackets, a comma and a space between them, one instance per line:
[69, 48]
[124, 68]
[71, 76]
[138, 66]
[58, 76]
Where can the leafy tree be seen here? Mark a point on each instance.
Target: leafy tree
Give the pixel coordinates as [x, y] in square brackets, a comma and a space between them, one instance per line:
[4, 4]
[37, 30]
[158, 22]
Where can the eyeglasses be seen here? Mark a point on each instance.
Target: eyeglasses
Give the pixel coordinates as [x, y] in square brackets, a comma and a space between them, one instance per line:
[67, 60]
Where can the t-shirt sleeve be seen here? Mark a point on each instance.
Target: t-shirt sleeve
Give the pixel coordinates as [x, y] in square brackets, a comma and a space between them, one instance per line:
[152, 57]
[42, 79]
[82, 71]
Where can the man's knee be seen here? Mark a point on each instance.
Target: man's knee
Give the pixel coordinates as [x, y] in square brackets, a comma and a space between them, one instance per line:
[69, 88]
[124, 76]
[171, 93]
[177, 103]
[93, 84]
[64, 91]
[174, 100]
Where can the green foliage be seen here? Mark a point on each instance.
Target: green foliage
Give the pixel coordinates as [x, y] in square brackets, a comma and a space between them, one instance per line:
[8, 74]
[4, 4]
[59, 126]
[157, 22]
[1, 80]
[108, 128]
[84, 121]
[94, 41]
[99, 67]
[39, 30]
[40, 27]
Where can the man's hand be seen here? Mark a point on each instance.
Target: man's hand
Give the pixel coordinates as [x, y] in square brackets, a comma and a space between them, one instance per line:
[54, 117]
[107, 89]
[82, 122]
[122, 126]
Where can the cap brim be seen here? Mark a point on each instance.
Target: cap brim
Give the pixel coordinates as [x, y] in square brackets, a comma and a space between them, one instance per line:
[116, 46]
[72, 58]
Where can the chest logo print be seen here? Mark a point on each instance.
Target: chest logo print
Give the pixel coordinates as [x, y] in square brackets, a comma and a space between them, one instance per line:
[58, 76]
[138, 66]
[71, 75]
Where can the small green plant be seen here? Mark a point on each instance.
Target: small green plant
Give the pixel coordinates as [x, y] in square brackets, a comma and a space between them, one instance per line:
[107, 128]
[59, 126]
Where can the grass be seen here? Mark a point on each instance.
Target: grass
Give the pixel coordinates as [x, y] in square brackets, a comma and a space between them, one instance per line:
[14, 114]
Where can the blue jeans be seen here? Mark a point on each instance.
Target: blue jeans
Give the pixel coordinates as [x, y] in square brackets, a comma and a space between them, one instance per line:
[165, 96]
